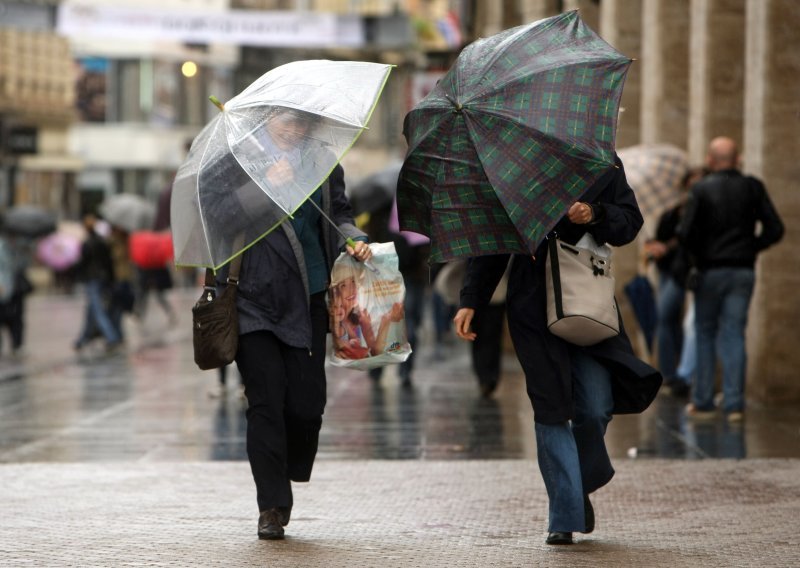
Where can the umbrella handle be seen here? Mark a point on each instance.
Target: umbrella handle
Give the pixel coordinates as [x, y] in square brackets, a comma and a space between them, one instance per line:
[367, 263]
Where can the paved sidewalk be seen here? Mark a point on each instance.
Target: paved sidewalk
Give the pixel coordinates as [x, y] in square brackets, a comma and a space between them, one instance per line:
[397, 514]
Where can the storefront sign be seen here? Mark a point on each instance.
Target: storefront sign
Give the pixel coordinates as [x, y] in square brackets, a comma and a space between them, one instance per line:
[238, 27]
[21, 140]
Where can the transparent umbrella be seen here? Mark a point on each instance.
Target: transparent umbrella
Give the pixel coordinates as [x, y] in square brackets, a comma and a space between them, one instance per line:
[266, 153]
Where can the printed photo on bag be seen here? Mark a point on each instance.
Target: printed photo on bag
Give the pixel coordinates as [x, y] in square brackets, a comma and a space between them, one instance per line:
[367, 319]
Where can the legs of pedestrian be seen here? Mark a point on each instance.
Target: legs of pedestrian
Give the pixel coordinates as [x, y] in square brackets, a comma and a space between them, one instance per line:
[488, 346]
[97, 319]
[732, 348]
[669, 332]
[285, 389]
[573, 458]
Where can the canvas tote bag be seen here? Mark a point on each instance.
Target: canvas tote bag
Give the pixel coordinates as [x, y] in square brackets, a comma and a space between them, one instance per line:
[581, 307]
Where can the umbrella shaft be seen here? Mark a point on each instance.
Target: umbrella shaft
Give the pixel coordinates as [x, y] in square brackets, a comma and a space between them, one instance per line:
[347, 239]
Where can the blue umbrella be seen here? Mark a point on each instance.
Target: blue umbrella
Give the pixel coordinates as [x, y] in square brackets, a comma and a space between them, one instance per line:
[640, 293]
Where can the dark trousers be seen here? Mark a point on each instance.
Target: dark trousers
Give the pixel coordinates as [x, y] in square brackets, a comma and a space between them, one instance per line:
[285, 389]
[488, 345]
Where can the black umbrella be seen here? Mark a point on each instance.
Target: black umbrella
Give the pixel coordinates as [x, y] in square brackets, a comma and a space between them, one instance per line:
[29, 221]
[375, 191]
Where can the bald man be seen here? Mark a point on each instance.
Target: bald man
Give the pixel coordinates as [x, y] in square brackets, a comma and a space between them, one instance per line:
[720, 229]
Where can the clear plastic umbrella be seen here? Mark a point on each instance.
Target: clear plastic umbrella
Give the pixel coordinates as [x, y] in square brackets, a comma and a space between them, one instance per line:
[266, 153]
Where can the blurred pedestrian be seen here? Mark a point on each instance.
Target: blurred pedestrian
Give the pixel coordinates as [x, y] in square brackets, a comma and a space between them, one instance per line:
[570, 387]
[158, 280]
[123, 297]
[96, 269]
[220, 389]
[672, 263]
[720, 229]
[487, 324]
[412, 257]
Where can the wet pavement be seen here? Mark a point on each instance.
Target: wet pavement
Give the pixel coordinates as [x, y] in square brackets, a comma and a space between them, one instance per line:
[125, 459]
[151, 403]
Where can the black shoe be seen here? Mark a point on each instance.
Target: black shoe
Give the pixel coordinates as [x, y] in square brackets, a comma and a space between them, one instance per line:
[487, 389]
[588, 514]
[285, 514]
[678, 388]
[558, 537]
[269, 525]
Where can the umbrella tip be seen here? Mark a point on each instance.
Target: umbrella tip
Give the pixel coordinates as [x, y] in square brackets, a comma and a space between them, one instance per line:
[216, 102]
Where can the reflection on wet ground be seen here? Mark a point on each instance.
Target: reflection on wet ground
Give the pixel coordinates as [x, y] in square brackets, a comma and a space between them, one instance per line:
[153, 404]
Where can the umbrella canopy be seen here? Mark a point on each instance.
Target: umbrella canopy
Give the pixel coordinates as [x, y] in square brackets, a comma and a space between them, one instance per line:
[29, 221]
[266, 153]
[59, 251]
[128, 211]
[656, 173]
[517, 130]
[376, 190]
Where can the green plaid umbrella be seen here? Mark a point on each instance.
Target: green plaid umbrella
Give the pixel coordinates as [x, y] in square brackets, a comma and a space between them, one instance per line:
[517, 130]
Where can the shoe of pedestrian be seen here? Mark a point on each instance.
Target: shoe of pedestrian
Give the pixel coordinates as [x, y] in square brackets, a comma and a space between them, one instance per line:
[678, 388]
[558, 537]
[588, 514]
[115, 347]
[487, 389]
[285, 515]
[217, 391]
[735, 417]
[697, 414]
[269, 525]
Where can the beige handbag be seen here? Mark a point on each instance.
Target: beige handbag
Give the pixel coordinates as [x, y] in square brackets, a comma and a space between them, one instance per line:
[581, 307]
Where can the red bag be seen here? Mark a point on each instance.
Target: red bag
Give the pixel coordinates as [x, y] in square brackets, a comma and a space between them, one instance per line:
[150, 249]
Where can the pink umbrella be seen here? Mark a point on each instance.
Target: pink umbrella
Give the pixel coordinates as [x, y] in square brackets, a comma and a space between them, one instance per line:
[59, 251]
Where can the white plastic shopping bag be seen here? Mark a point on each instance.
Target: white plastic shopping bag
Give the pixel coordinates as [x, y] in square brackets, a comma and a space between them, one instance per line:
[366, 311]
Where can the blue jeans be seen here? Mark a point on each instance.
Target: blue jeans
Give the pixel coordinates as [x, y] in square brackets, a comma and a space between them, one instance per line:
[722, 300]
[669, 332]
[572, 456]
[97, 318]
[688, 363]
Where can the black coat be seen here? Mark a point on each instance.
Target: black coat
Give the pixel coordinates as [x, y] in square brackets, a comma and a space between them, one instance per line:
[273, 282]
[544, 357]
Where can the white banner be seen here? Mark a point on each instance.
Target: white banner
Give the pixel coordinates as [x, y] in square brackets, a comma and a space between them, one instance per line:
[238, 27]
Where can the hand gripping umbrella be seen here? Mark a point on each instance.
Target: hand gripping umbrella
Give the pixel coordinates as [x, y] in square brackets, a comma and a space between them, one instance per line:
[519, 128]
[266, 153]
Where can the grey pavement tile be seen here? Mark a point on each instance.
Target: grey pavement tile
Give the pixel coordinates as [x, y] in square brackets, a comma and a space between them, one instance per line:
[412, 513]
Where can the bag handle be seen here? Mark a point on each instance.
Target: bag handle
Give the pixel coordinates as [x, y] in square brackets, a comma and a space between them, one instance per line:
[210, 283]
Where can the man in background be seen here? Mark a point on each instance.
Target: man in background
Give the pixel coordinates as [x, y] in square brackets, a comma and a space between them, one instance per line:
[719, 229]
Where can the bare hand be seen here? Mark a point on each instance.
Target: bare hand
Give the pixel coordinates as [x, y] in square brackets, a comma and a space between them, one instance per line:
[463, 321]
[655, 249]
[280, 173]
[360, 252]
[580, 213]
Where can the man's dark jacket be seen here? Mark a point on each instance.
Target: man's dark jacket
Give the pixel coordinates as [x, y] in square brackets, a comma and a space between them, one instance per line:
[719, 225]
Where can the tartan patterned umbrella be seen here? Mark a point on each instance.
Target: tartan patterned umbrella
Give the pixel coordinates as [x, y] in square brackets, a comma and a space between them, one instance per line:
[655, 172]
[517, 130]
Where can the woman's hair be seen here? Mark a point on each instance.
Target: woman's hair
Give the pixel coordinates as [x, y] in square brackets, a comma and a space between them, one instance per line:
[306, 118]
[341, 272]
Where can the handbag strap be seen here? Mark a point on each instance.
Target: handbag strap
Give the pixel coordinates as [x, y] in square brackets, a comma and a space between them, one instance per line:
[233, 272]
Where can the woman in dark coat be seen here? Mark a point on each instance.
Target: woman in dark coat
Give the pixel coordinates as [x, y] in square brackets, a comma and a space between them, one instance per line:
[283, 323]
[574, 390]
